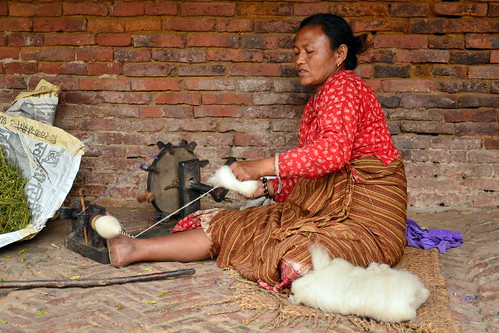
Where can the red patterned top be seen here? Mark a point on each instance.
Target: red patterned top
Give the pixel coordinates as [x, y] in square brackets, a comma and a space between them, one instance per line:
[343, 121]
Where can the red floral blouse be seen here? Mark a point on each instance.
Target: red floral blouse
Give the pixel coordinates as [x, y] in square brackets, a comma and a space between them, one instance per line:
[343, 121]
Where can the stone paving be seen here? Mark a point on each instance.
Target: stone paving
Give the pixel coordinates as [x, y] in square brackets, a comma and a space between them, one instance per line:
[167, 306]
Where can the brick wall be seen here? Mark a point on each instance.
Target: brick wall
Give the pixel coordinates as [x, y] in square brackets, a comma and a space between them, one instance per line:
[220, 73]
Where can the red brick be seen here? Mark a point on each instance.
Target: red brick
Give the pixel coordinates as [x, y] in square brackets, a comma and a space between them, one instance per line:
[473, 115]
[493, 10]
[255, 70]
[234, 25]
[9, 53]
[255, 41]
[408, 85]
[178, 111]
[155, 84]
[148, 69]
[469, 57]
[93, 9]
[472, 26]
[142, 24]
[148, 125]
[307, 9]
[4, 10]
[282, 57]
[409, 9]
[30, 10]
[152, 112]
[121, 111]
[178, 98]
[445, 70]
[15, 24]
[276, 26]
[264, 9]
[208, 9]
[188, 24]
[12, 82]
[234, 55]
[428, 26]
[413, 101]
[66, 24]
[127, 9]
[210, 84]
[374, 55]
[401, 41]
[113, 40]
[446, 42]
[125, 97]
[132, 55]
[21, 68]
[278, 98]
[48, 53]
[489, 129]
[482, 41]
[494, 56]
[160, 9]
[422, 56]
[62, 68]
[202, 70]
[219, 111]
[460, 9]
[119, 84]
[261, 140]
[379, 24]
[491, 143]
[106, 25]
[210, 40]
[159, 40]
[466, 86]
[477, 100]
[182, 56]
[25, 39]
[227, 98]
[488, 72]
[249, 126]
[70, 39]
[352, 9]
[94, 54]
[105, 124]
[102, 68]
[381, 71]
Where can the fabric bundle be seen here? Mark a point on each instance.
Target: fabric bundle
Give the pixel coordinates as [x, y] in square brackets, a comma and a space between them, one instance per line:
[428, 239]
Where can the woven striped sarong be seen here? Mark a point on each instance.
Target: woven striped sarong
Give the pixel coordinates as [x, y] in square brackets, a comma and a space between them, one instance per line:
[360, 220]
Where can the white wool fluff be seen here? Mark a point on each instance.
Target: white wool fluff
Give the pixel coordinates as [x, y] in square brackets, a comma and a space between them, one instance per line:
[107, 226]
[378, 291]
[224, 177]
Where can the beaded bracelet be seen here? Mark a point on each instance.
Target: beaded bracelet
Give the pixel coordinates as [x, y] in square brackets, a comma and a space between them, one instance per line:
[265, 188]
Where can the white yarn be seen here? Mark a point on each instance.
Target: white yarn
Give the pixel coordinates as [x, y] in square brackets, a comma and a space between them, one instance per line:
[226, 179]
[107, 226]
[379, 291]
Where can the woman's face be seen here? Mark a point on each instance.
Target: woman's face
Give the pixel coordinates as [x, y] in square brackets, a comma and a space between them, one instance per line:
[314, 58]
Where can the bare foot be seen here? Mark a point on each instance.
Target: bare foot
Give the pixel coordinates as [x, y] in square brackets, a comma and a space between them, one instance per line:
[120, 250]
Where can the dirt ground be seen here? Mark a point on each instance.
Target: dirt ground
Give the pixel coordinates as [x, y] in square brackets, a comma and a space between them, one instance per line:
[471, 271]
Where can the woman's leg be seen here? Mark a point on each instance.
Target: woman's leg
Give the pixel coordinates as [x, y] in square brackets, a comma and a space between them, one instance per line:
[185, 246]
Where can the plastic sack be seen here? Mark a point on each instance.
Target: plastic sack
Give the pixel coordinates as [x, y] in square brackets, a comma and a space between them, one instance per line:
[39, 104]
[49, 158]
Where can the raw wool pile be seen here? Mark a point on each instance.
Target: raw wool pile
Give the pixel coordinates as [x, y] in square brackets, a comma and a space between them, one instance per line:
[14, 209]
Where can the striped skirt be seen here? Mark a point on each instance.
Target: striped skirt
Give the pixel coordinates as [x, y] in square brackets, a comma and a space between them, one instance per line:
[357, 214]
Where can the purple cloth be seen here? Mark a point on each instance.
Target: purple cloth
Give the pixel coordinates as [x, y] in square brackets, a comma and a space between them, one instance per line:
[428, 239]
